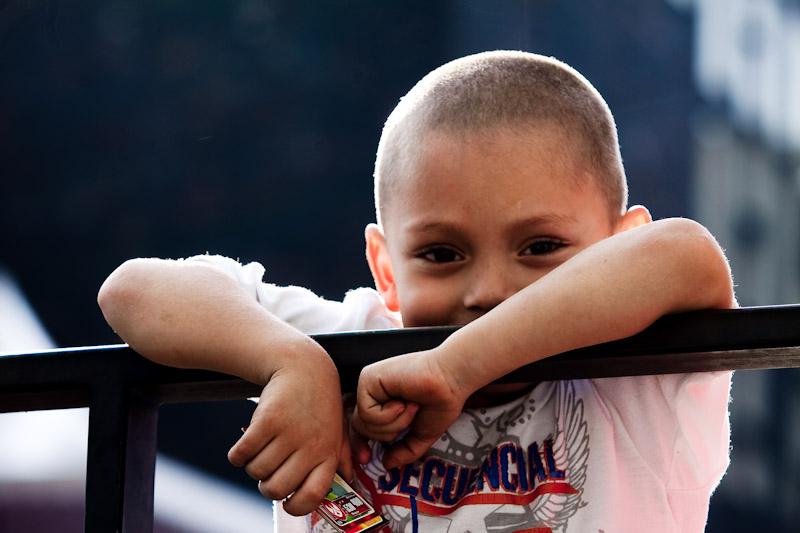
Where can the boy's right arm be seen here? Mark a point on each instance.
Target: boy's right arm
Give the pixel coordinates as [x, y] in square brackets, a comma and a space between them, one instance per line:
[193, 315]
[610, 290]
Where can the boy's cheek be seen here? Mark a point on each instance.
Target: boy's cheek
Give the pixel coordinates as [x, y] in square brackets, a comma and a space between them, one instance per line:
[426, 308]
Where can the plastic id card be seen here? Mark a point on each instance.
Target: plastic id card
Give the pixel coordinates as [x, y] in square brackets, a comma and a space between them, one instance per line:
[347, 511]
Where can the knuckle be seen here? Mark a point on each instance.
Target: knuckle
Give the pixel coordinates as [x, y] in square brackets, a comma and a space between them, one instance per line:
[297, 507]
[256, 471]
[272, 490]
[311, 495]
[265, 418]
[242, 451]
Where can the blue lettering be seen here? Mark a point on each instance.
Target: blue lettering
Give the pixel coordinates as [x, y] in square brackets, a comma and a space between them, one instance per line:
[522, 470]
[464, 475]
[405, 487]
[535, 466]
[390, 480]
[490, 471]
[507, 455]
[427, 472]
[472, 480]
[552, 471]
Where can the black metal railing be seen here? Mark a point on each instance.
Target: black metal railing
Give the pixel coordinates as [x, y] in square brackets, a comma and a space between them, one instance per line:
[123, 390]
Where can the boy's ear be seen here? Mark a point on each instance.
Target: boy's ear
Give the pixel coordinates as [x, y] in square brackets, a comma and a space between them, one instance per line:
[380, 264]
[635, 216]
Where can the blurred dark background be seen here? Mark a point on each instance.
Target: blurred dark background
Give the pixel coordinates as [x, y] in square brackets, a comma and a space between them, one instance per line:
[248, 128]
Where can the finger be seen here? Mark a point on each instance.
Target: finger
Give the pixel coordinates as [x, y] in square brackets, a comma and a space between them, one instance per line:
[311, 492]
[385, 432]
[372, 434]
[370, 385]
[359, 445]
[369, 431]
[359, 448]
[287, 477]
[408, 450]
[345, 466]
[269, 459]
[380, 413]
[400, 423]
[371, 391]
[256, 437]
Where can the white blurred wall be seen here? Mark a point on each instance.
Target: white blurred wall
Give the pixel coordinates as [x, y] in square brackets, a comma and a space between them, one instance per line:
[748, 56]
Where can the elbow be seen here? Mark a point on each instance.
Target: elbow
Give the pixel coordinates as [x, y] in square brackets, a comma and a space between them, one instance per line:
[707, 278]
[120, 291]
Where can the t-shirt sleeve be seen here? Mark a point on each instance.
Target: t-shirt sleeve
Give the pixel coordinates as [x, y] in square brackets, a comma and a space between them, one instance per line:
[361, 308]
[702, 441]
[678, 424]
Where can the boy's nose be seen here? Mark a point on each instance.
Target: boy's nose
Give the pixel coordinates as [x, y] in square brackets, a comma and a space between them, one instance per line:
[488, 288]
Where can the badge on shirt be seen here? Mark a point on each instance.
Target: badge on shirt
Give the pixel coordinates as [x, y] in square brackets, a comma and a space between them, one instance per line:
[347, 511]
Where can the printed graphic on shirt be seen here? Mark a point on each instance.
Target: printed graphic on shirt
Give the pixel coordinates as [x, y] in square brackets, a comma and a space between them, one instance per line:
[493, 477]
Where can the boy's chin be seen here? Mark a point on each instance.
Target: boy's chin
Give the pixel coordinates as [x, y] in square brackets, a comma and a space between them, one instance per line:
[498, 394]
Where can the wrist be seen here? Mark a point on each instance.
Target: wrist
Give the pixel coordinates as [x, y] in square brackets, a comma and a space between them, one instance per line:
[303, 357]
[455, 369]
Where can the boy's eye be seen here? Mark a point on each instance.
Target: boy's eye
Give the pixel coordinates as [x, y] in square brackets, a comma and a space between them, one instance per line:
[440, 254]
[542, 247]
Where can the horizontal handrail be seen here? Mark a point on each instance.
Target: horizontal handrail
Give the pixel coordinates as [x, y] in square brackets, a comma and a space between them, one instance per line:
[124, 390]
[746, 338]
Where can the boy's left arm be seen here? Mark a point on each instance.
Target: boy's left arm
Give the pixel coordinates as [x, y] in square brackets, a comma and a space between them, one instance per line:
[611, 290]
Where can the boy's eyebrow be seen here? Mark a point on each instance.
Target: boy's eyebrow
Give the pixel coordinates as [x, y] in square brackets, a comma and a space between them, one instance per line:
[424, 226]
[539, 220]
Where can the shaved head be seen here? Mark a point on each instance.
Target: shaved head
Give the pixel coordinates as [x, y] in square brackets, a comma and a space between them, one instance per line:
[485, 92]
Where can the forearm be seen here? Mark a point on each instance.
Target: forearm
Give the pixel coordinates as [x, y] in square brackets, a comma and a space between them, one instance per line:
[194, 316]
[610, 290]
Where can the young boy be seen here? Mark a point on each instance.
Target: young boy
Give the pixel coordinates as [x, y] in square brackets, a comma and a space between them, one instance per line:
[501, 206]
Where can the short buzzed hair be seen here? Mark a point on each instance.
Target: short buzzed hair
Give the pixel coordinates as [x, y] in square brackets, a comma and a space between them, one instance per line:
[502, 89]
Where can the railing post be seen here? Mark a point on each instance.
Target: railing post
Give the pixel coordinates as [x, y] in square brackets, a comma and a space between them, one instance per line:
[121, 460]
[105, 461]
[140, 463]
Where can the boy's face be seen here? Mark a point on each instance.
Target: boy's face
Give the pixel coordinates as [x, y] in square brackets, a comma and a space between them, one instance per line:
[483, 216]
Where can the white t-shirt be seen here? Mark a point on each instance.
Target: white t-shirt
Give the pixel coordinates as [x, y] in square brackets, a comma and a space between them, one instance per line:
[607, 455]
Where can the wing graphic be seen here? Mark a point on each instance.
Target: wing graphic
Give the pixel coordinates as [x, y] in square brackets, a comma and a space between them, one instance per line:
[570, 448]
